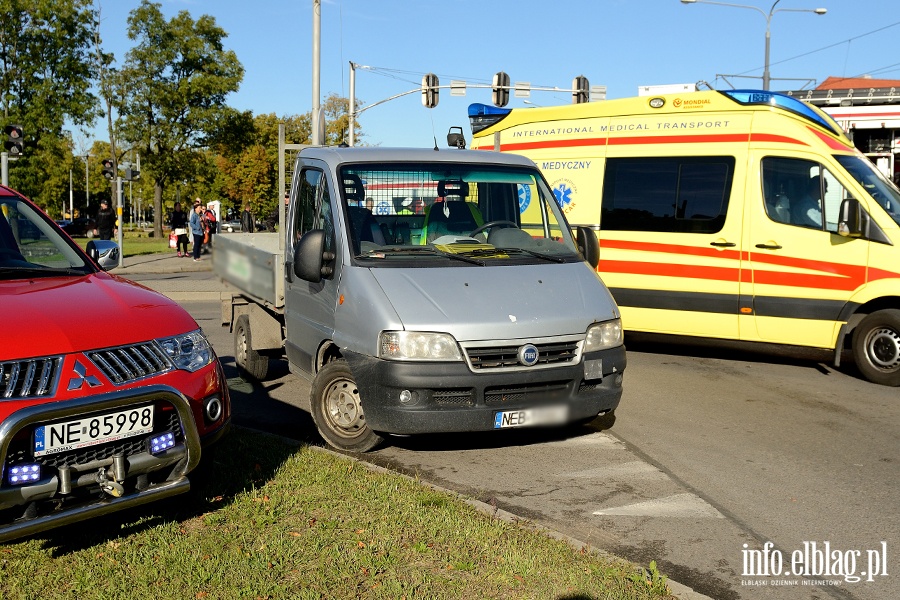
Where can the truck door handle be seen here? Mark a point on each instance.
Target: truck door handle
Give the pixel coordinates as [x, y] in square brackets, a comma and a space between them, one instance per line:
[769, 246]
[723, 244]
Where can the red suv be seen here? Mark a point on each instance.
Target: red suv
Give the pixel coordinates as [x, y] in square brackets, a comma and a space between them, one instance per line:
[109, 391]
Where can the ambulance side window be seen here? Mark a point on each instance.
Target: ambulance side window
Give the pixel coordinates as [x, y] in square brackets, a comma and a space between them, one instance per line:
[802, 193]
[677, 194]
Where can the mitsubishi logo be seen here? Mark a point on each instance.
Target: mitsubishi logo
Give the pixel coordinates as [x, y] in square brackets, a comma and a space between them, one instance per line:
[76, 382]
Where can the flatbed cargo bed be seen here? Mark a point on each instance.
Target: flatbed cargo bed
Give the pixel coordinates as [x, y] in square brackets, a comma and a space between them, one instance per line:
[253, 263]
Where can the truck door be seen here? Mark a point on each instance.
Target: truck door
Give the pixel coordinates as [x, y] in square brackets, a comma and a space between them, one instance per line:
[803, 272]
[309, 307]
[670, 230]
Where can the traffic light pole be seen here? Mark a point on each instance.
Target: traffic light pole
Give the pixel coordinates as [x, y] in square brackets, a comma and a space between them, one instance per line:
[119, 234]
[4, 167]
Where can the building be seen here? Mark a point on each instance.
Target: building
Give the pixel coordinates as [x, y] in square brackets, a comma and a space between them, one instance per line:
[868, 109]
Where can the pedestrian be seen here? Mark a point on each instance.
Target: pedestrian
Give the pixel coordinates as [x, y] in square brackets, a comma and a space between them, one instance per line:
[196, 225]
[212, 226]
[179, 228]
[106, 221]
[247, 219]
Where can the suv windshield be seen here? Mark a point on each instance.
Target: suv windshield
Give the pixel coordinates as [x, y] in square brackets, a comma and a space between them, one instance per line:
[427, 212]
[31, 245]
[883, 191]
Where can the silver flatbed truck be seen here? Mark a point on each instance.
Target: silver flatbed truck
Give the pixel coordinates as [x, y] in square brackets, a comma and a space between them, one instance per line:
[424, 291]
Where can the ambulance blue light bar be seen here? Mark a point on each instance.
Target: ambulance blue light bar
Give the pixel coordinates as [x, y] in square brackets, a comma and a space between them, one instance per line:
[482, 116]
[798, 107]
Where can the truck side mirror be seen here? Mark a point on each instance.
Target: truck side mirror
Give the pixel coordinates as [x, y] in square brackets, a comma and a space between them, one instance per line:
[309, 256]
[586, 239]
[104, 252]
[850, 222]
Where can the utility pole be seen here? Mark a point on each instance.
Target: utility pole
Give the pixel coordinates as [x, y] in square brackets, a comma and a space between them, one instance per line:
[317, 51]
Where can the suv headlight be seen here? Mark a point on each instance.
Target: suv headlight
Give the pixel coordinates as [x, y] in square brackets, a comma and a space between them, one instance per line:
[417, 345]
[188, 352]
[601, 336]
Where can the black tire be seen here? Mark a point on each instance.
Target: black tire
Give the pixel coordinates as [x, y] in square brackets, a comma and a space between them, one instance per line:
[876, 347]
[337, 411]
[248, 360]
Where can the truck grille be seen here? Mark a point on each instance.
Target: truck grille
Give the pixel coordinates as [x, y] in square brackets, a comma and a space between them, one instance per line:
[554, 352]
[31, 378]
[129, 363]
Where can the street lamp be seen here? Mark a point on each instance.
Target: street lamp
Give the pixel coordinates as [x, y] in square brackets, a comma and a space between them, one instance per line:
[768, 17]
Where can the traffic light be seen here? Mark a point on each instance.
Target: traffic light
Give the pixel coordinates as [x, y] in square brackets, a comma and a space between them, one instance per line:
[581, 90]
[131, 174]
[14, 140]
[108, 171]
[430, 91]
[500, 94]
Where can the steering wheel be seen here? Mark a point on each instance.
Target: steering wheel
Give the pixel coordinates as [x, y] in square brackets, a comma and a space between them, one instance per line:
[490, 224]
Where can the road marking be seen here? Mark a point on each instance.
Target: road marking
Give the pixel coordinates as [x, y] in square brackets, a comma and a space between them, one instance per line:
[633, 468]
[593, 439]
[679, 505]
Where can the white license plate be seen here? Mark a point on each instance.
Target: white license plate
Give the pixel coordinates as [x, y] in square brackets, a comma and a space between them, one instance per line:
[90, 431]
[544, 415]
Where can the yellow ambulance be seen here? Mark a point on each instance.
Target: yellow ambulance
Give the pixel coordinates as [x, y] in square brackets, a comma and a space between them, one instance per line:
[740, 215]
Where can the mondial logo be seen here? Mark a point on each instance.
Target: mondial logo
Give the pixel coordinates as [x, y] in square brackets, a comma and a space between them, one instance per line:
[528, 355]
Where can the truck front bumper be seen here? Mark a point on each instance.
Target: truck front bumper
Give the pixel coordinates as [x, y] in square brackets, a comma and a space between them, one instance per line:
[431, 397]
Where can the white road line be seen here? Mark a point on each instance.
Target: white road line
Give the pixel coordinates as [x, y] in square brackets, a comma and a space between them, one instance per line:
[679, 505]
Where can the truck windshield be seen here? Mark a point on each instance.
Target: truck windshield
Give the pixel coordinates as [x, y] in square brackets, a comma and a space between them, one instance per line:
[425, 212]
[877, 185]
[32, 246]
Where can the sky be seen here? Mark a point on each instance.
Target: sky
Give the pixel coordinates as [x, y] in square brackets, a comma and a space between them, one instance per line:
[620, 44]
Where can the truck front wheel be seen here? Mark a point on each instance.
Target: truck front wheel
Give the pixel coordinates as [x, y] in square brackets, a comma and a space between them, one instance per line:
[337, 411]
[876, 347]
[247, 359]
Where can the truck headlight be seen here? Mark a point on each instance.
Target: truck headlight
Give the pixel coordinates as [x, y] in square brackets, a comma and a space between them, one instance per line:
[188, 352]
[417, 345]
[601, 336]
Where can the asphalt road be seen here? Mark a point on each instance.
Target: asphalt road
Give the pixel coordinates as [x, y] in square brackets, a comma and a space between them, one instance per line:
[711, 449]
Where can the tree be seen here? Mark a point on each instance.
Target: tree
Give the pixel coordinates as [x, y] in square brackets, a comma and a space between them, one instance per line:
[46, 75]
[173, 88]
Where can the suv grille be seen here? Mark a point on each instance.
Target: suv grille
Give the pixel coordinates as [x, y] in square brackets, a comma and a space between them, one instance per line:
[29, 378]
[128, 363]
[551, 352]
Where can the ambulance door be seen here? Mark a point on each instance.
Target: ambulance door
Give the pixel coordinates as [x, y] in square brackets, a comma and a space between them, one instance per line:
[803, 272]
[670, 230]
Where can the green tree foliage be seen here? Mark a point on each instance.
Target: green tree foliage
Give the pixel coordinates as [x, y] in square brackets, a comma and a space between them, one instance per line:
[173, 88]
[46, 75]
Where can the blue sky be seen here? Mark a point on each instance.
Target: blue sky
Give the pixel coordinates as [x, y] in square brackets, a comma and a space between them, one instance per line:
[622, 44]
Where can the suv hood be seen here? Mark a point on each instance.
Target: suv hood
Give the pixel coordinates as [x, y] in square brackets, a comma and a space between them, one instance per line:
[59, 315]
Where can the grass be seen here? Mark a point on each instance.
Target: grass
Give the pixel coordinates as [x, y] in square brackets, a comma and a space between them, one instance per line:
[277, 521]
[136, 243]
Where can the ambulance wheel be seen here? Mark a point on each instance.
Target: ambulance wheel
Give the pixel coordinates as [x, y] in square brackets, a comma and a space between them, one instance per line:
[337, 411]
[248, 360]
[876, 347]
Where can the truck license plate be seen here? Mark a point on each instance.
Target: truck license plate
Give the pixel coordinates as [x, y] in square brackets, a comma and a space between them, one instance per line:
[90, 431]
[544, 415]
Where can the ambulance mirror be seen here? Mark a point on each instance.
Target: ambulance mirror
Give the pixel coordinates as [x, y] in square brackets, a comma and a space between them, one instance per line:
[850, 221]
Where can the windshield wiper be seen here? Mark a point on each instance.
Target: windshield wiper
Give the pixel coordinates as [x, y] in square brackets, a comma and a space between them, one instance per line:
[550, 257]
[418, 250]
[39, 271]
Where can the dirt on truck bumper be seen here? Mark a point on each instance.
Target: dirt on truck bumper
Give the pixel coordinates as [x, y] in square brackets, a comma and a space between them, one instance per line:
[76, 481]
[431, 397]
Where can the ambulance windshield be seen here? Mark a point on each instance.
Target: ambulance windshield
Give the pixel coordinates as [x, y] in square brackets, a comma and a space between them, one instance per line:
[877, 185]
